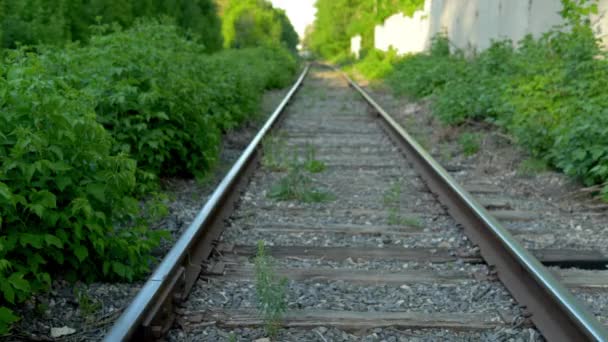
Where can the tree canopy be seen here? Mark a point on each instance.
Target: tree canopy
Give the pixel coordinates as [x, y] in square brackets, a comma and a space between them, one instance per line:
[248, 23]
[59, 21]
[338, 20]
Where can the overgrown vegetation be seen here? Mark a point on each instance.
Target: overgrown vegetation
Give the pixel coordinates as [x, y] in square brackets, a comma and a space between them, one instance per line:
[87, 130]
[63, 192]
[532, 166]
[141, 84]
[60, 21]
[249, 23]
[271, 291]
[311, 163]
[550, 92]
[275, 155]
[297, 185]
[469, 143]
[392, 201]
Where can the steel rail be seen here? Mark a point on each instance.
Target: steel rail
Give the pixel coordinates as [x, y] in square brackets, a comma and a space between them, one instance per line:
[150, 314]
[554, 311]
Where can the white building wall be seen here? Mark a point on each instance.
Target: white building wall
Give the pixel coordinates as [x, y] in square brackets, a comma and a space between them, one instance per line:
[405, 34]
[471, 25]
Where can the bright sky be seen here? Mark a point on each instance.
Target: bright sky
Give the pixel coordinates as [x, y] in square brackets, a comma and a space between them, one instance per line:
[300, 12]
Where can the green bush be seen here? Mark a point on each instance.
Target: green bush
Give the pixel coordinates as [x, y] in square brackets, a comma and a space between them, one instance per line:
[422, 75]
[145, 94]
[550, 93]
[61, 21]
[164, 100]
[376, 64]
[83, 129]
[474, 89]
[62, 191]
[251, 23]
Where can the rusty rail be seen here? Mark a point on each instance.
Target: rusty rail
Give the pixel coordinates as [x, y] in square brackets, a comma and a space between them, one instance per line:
[151, 314]
[554, 311]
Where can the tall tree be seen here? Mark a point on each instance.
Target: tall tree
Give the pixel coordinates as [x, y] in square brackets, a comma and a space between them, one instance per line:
[59, 21]
[254, 22]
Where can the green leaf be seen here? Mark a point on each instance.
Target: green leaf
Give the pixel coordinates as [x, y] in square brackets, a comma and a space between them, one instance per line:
[17, 281]
[97, 190]
[106, 267]
[29, 171]
[60, 167]
[4, 265]
[5, 192]
[81, 252]
[52, 240]
[33, 240]
[37, 209]
[63, 182]
[7, 317]
[119, 269]
[81, 206]
[7, 291]
[45, 198]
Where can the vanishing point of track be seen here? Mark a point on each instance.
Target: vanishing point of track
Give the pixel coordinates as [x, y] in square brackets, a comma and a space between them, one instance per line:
[366, 153]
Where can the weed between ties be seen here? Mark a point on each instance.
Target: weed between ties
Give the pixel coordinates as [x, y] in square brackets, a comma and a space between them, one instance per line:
[470, 143]
[297, 184]
[392, 201]
[271, 291]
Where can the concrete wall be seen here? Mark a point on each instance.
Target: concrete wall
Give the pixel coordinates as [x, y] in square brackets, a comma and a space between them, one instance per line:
[406, 34]
[473, 24]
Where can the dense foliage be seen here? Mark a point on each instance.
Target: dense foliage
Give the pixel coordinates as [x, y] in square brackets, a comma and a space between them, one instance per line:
[250, 23]
[62, 190]
[339, 20]
[84, 128]
[59, 21]
[144, 91]
[550, 93]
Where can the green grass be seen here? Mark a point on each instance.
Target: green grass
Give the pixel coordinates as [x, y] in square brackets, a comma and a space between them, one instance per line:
[271, 291]
[298, 186]
[532, 166]
[275, 156]
[395, 219]
[392, 201]
[311, 164]
[469, 143]
[87, 306]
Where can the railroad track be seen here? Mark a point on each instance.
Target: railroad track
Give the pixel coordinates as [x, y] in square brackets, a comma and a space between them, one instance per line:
[383, 245]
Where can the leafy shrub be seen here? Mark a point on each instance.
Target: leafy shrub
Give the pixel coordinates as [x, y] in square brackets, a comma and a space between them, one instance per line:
[62, 190]
[67, 184]
[422, 75]
[164, 100]
[550, 93]
[141, 82]
[475, 88]
[251, 23]
[377, 64]
[271, 291]
[59, 22]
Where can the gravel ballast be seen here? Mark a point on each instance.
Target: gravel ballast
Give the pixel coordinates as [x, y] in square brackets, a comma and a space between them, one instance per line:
[371, 184]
